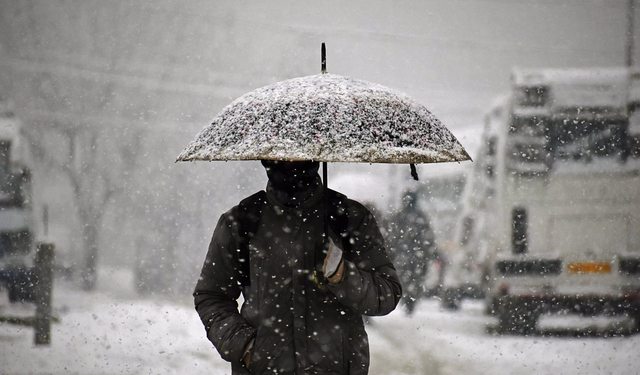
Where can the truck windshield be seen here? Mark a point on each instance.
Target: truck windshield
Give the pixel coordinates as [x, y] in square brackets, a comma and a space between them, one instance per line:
[584, 139]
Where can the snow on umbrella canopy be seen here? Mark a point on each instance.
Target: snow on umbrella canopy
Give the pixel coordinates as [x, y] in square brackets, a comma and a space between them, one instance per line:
[328, 118]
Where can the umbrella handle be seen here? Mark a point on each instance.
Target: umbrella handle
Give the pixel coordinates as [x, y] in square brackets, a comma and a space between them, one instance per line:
[414, 172]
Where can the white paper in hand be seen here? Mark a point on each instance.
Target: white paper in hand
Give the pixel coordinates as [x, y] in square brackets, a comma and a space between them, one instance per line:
[332, 260]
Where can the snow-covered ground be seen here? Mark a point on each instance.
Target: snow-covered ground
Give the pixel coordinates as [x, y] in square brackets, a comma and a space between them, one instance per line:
[113, 331]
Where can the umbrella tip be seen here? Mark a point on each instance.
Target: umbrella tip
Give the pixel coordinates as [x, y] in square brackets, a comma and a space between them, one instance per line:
[323, 53]
[414, 172]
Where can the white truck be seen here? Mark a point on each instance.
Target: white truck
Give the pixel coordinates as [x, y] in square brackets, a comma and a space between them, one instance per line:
[552, 209]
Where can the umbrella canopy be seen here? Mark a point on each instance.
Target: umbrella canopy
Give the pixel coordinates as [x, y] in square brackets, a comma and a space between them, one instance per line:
[328, 118]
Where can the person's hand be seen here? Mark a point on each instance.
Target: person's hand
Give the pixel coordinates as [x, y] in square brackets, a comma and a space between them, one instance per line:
[333, 266]
[246, 359]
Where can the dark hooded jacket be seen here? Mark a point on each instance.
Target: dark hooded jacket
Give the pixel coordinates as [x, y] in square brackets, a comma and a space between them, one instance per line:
[299, 323]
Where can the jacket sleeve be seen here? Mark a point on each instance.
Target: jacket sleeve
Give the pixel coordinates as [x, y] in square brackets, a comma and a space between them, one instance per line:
[216, 294]
[370, 285]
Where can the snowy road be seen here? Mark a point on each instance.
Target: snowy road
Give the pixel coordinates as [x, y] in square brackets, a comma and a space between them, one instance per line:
[113, 332]
[435, 341]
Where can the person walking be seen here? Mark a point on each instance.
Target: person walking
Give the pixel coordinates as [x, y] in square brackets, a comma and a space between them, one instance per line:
[412, 246]
[308, 267]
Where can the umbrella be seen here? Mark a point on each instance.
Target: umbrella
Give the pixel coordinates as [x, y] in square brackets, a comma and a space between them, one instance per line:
[327, 118]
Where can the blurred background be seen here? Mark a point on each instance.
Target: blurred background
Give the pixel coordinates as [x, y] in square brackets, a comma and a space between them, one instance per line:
[106, 94]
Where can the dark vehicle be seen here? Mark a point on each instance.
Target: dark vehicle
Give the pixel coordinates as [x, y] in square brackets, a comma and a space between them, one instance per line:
[16, 224]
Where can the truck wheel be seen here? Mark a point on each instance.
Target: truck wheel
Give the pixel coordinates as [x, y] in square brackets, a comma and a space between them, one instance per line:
[635, 314]
[516, 320]
[491, 306]
[450, 299]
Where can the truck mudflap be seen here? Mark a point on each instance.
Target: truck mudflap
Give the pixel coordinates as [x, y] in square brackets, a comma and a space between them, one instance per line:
[520, 313]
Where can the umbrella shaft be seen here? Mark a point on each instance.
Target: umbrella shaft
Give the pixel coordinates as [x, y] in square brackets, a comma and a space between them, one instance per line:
[325, 199]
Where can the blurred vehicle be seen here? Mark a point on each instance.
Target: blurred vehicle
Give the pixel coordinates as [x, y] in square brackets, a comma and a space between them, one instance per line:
[17, 246]
[442, 198]
[552, 209]
[463, 273]
[441, 193]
